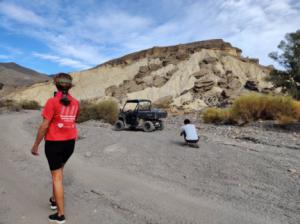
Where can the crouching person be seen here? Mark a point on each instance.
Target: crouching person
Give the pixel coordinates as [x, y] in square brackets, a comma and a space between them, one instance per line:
[189, 132]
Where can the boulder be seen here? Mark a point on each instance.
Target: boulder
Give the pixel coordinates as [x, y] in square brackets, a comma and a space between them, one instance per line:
[182, 56]
[206, 66]
[203, 85]
[140, 75]
[143, 69]
[127, 84]
[217, 71]
[210, 60]
[159, 81]
[251, 85]
[163, 102]
[139, 81]
[135, 88]
[201, 73]
[267, 90]
[148, 80]
[170, 73]
[111, 90]
[222, 83]
[114, 91]
[154, 67]
[233, 82]
[168, 61]
[211, 100]
[1, 85]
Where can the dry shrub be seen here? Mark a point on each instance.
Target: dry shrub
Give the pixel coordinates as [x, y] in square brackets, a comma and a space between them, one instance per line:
[274, 106]
[296, 106]
[106, 110]
[266, 107]
[10, 105]
[285, 120]
[217, 115]
[253, 107]
[30, 105]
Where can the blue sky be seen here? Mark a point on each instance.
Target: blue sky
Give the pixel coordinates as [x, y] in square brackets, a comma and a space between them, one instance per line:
[51, 36]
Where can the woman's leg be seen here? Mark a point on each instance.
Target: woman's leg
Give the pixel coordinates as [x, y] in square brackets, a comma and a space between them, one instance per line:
[53, 198]
[58, 190]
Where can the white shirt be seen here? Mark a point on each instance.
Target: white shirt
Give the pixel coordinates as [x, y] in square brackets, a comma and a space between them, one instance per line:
[190, 131]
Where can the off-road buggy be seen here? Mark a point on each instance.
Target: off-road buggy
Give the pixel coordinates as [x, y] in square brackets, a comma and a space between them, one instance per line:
[139, 113]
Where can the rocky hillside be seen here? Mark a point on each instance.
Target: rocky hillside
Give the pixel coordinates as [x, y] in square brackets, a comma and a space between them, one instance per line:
[188, 76]
[13, 76]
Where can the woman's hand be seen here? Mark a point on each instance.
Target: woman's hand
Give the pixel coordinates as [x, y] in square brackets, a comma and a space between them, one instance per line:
[40, 135]
[35, 150]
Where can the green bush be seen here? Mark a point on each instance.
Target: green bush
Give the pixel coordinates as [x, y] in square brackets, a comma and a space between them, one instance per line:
[253, 107]
[106, 110]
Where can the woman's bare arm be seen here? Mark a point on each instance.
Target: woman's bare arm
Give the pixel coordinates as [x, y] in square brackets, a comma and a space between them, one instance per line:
[39, 137]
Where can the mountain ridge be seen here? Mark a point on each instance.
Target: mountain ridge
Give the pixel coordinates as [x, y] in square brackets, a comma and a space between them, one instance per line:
[14, 76]
[159, 50]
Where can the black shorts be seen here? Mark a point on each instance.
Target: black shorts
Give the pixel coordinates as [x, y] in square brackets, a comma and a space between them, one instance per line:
[58, 152]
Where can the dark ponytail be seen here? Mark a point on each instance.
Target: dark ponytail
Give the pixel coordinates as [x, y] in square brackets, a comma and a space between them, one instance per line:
[64, 100]
[63, 82]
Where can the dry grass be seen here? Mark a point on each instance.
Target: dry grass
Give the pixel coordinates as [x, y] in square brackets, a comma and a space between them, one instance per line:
[13, 105]
[30, 105]
[266, 107]
[285, 120]
[217, 115]
[253, 107]
[106, 110]
[296, 106]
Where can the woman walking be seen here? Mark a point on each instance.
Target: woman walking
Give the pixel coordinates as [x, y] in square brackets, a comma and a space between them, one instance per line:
[59, 131]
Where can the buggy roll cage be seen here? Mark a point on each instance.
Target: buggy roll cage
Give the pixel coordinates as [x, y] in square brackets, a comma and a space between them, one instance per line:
[137, 101]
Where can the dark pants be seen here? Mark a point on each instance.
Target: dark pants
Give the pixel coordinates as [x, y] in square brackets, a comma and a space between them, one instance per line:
[189, 141]
[58, 152]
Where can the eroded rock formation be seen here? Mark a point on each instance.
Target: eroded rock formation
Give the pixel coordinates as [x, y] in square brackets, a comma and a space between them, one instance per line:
[187, 76]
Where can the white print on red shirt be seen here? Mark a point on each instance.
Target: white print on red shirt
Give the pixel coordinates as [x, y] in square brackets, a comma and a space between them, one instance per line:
[68, 116]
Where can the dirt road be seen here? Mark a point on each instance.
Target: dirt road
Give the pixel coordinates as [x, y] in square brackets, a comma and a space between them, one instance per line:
[137, 177]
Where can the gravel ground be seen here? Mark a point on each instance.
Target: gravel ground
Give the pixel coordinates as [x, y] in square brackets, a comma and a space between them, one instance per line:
[247, 174]
[255, 168]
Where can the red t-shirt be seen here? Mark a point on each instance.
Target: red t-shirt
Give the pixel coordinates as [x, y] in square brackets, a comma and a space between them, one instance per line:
[63, 118]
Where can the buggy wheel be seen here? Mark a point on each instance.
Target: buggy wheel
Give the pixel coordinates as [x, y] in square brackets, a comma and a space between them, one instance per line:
[119, 125]
[161, 125]
[148, 126]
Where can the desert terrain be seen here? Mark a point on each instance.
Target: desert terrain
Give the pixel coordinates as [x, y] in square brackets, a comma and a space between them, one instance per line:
[246, 175]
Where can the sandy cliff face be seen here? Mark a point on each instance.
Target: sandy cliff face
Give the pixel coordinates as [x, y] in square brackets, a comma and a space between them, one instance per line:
[188, 76]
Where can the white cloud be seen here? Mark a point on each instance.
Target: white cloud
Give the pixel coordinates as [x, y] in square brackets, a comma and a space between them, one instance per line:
[254, 26]
[77, 36]
[20, 14]
[10, 50]
[62, 61]
[73, 46]
[261, 26]
[2, 56]
[118, 21]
